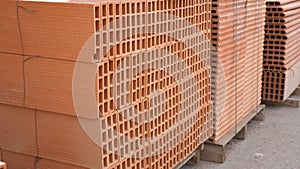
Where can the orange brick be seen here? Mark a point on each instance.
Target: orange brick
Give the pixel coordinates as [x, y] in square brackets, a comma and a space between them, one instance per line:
[18, 161]
[12, 81]
[17, 126]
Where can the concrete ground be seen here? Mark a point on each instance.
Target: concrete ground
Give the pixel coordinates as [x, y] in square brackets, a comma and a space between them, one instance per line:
[272, 144]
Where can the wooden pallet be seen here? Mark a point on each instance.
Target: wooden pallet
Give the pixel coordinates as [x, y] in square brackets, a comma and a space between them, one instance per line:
[292, 101]
[2, 165]
[216, 151]
[192, 159]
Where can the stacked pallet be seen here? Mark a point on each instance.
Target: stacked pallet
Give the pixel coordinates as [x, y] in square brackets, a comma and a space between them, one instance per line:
[281, 50]
[126, 49]
[237, 37]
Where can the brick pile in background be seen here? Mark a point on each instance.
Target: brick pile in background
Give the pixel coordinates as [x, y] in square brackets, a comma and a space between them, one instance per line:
[281, 64]
[237, 37]
[38, 122]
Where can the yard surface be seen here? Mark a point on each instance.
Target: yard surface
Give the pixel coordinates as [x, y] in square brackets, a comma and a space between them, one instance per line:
[271, 144]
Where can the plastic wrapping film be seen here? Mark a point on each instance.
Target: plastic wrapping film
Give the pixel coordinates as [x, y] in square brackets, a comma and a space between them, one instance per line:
[39, 123]
[281, 50]
[237, 37]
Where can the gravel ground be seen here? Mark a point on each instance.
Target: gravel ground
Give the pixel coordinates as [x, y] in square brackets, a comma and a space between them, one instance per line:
[272, 144]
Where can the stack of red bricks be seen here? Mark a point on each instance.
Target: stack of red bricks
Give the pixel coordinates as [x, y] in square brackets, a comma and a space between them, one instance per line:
[281, 50]
[45, 42]
[237, 37]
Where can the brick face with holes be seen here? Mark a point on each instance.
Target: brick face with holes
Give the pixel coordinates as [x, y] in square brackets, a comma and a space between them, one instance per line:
[281, 50]
[145, 54]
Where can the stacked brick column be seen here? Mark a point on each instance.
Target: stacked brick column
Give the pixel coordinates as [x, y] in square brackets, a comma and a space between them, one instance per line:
[237, 37]
[281, 52]
[38, 122]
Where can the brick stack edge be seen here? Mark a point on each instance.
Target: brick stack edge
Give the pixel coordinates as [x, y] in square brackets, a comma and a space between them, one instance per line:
[38, 123]
[281, 50]
[237, 37]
